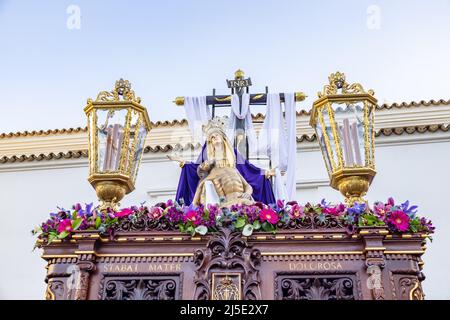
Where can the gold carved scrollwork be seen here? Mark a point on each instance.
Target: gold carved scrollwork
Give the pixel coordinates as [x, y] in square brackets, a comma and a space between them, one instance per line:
[226, 99]
[337, 82]
[121, 89]
[49, 295]
[416, 292]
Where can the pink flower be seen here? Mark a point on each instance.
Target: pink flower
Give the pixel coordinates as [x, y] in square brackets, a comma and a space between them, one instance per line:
[399, 220]
[155, 213]
[193, 217]
[380, 209]
[268, 215]
[334, 211]
[297, 212]
[391, 202]
[123, 213]
[65, 225]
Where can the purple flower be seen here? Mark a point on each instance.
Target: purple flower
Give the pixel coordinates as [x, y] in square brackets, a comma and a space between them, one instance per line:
[391, 202]
[410, 211]
[296, 212]
[356, 209]
[280, 204]
[77, 207]
[380, 209]
[161, 205]
[323, 203]
[88, 209]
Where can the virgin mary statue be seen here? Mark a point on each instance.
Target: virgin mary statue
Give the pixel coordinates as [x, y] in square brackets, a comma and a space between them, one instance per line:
[221, 175]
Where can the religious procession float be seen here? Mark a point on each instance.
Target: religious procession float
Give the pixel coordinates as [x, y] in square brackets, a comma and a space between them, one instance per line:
[234, 230]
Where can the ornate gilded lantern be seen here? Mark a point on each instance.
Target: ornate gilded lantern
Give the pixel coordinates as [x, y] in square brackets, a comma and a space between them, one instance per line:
[343, 118]
[117, 126]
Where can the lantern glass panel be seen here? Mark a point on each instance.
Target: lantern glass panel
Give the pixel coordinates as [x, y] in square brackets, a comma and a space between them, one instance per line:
[329, 133]
[129, 151]
[92, 133]
[140, 136]
[323, 147]
[350, 126]
[371, 126]
[110, 133]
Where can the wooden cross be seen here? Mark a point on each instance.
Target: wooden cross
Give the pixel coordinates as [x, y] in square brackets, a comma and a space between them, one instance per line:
[238, 86]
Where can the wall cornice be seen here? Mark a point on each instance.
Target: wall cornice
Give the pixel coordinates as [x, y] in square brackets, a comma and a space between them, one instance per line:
[385, 137]
[391, 120]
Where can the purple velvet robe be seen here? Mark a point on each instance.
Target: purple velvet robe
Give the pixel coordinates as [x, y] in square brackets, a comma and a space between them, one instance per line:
[189, 179]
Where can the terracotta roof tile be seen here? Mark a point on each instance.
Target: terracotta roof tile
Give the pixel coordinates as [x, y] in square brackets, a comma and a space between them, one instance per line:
[166, 148]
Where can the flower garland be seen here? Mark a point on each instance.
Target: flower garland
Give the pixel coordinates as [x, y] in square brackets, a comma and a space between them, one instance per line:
[244, 218]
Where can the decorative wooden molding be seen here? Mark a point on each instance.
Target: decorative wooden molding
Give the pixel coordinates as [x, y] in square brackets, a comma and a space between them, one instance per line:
[296, 263]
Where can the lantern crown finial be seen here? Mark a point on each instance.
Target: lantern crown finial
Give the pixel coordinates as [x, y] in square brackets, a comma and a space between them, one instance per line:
[338, 85]
[121, 92]
[337, 79]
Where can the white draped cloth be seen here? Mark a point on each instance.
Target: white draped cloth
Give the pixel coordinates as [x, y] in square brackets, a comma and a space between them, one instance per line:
[243, 113]
[291, 124]
[278, 141]
[197, 113]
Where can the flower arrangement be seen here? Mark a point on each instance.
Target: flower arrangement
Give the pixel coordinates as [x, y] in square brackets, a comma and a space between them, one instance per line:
[244, 218]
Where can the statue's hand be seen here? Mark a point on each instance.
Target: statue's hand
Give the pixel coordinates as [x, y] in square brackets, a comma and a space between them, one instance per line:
[269, 173]
[246, 196]
[177, 159]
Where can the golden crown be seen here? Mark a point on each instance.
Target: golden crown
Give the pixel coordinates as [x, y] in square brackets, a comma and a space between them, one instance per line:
[218, 124]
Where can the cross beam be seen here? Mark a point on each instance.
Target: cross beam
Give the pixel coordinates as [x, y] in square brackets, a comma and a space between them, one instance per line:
[238, 86]
[255, 99]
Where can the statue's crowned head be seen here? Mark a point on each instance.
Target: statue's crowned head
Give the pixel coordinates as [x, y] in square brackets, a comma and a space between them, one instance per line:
[217, 144]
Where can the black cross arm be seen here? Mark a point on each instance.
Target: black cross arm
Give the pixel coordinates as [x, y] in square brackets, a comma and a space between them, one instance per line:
[255, 99]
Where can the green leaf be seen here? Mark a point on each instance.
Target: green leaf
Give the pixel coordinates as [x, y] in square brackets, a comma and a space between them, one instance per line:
[256, 225]
[248, 230]
[240, 222]
[76, 223]
[63, 234]
[266, 226]
[98, 222]
[191, 230]
[52, 236]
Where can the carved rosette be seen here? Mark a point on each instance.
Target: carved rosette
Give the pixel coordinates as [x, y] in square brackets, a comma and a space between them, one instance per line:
[227, 254]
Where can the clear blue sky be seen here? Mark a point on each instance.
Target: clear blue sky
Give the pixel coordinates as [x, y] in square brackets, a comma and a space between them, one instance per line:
[170, 48]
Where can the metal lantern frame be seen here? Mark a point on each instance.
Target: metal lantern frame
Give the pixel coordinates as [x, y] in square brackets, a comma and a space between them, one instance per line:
[112, 185]
[351, 180]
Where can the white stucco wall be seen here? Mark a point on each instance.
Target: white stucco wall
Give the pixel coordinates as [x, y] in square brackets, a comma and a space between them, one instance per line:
[413, 167]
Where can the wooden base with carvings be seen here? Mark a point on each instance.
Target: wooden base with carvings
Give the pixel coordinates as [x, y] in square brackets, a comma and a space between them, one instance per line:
[299, 264]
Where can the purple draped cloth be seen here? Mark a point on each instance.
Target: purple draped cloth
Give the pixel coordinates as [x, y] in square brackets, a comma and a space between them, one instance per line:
[189, 179]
